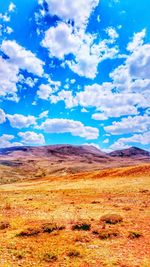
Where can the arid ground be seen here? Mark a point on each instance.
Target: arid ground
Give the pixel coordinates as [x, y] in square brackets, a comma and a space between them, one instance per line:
[93, 219]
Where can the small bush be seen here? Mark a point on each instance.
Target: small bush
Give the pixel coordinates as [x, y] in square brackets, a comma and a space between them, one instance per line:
[29, 232]
[50, 227]
[111, 218]
[49, 257]
[73, 254]
[82, 238]
[106, 233]
[133, 235]
[7, 206]
[4, 225]
[81, 226]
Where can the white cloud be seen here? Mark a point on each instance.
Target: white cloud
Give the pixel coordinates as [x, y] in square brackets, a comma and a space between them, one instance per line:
[136, 124]
[118, 145]
[114, 112]
[19, 58]
[8, 30]
[137, 41]
[143, 139]
[44, 114]
[139, 62]
[20, 121]
[66, 96]
[5, 141]
[84, 110]
[22, 58]
[77, 11]
[44, 91]
[99, 117]
[112, 33]
[8, 79]
[106, 141]
[11, 7]
[2, 116]
[4, 17]
[97, 96]
[28, 81]
[61, 40]
[32, 138]
[76, 128]
[65, 39]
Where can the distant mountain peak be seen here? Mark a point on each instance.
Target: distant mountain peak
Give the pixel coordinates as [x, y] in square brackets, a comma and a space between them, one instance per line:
[130, 152]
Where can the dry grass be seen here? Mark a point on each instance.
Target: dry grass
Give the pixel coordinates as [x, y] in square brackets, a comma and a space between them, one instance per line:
[44, 221]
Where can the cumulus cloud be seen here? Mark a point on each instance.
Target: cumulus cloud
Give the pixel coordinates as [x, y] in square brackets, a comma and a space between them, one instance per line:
[20, 121]
[31, 138]
[2, 116]
[22, 58]
[61, 40]
[112, 33]
[77, 11]
[136, 124]
[137, 41]
[72, 39]
[11, 7]
[118, 145]
[18, 58]
[27, 81]
[115, 112]
[76, 128]
[97, 96]
[45, 90]
[127, 92]
[65, 96]
[44, 114]
[99, 117]
[8, 79]
[143, 139]
[6, 141]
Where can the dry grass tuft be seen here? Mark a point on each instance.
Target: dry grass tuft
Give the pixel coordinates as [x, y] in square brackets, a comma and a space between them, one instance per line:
[4, 225]
[73, 253]
[81, 226]
[111, 218]
[29, 232]
[134, 235]
[50, 227]
[50, 257]
[106, 233]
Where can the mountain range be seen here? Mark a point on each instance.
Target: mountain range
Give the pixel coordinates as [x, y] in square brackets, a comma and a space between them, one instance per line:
[26, 162]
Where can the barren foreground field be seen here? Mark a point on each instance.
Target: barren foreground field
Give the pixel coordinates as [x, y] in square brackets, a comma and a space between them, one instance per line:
[60, 221]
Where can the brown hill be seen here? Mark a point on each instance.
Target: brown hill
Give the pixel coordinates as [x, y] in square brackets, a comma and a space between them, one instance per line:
[19, 163]
[132, 152]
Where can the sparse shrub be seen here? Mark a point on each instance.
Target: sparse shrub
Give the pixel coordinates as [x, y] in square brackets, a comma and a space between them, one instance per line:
[144, 191]
[106, 233]
[126, 208]
[29, 232]
[49, 257]
[111, 218]
[50, 227]
[73, 253]
[95, 202]
[133, 235]
[4, 225]
[82, 238]
[7, 206]
[81, 226]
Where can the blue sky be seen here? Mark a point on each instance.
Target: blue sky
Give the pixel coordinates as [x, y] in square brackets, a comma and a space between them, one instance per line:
[75, 72]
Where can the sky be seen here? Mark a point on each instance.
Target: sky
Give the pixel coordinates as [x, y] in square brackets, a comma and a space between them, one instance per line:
[75, 72]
